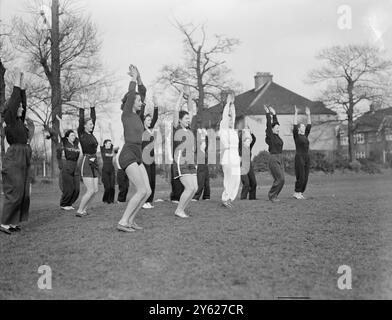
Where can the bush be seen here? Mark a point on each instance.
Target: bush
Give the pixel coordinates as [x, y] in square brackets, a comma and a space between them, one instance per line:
[260, 162]
[355, 165]
[369, 166]
[319, 162]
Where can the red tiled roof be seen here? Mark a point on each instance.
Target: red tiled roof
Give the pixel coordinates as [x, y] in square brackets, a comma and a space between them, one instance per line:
[252, 103]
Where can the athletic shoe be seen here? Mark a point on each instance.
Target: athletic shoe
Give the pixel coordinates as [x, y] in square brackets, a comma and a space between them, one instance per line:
[297, 195]
[81, 214]
[125, 228]
[136, 227]
[15, 228]
[147, 206]
[273, 200]
[302, 196]
[227, 204]
[175, 201]
[68, 208]
[194, 200]
[181, 215]
[5, 229]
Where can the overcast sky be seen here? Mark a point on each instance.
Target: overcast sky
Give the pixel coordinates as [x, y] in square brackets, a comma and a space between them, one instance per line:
[281, 37]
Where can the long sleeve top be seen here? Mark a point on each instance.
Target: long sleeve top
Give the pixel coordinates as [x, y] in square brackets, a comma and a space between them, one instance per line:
[133, 125]
[228, 136]
[275, 143]
[15, 131]
[301, 141]
[71, 150]
[241, 140]
[88, 141]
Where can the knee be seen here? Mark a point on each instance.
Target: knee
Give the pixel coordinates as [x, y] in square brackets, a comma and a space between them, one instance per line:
[148, 192]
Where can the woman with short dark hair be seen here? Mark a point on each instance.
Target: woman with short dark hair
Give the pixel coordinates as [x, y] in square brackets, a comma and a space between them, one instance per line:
[302, 160]
[70, 175]
[16, 166]
[130, 158]
[89, 167]
[275, 147]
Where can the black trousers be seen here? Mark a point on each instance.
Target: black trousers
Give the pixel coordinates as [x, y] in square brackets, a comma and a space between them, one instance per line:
[177, 187]
[276, 166]
[109, 183]
[249, 184]
[123, 185]
[70, 181]
[302, 166]
[203, 182]
[16, 184]
[151, 172]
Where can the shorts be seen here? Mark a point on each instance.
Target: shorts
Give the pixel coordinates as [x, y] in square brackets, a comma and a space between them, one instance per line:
[130, 154]
[180, 170]
[90, 167]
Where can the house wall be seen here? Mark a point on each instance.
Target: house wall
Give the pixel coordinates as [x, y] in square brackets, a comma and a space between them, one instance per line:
[322, 136]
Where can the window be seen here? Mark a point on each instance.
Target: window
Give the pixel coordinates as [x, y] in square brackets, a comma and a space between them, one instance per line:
[388, 137]
[360, 155]
[343, 141]
[359, 138]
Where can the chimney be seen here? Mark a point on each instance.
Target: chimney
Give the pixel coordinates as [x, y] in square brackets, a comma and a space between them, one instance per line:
[261, 78]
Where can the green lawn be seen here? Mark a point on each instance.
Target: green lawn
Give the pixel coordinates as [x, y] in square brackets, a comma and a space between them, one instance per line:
[259, 250]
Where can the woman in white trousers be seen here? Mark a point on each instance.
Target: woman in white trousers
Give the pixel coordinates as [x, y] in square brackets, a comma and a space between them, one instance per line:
[231, 161]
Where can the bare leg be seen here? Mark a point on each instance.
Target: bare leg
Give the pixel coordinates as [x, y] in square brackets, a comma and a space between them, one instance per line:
[190, 188]
[135, 175]
[92, 188]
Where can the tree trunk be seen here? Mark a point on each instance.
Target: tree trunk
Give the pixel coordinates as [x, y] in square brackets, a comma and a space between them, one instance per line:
[2, 104]
[55, 81]
[350, 118]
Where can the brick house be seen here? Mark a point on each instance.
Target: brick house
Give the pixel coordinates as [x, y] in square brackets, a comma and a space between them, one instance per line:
[267, 92]
[372, 135]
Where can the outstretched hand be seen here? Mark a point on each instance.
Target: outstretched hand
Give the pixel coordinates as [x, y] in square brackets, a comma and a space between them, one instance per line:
[272, 110]
[266, 109]
[295, 110]
[307, 111]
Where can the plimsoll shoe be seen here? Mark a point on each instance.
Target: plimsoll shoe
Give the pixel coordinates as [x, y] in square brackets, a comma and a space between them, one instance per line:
[182, 215]
[68, 208]
[297, 196]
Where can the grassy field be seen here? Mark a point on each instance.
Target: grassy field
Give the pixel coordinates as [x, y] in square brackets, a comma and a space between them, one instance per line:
[259, 250]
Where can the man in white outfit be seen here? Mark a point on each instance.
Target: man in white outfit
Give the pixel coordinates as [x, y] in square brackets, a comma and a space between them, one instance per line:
[231, 161]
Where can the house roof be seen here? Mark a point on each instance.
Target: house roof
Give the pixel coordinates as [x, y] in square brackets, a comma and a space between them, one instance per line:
[386, 123]
[252, 103]
[371, 120]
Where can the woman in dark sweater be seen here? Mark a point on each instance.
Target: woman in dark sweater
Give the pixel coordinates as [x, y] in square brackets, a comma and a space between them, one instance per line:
[275, 147]
[108, 151]
[70, 175]
[16, 165]
[302, 161]
[148, 150]
[89, 167]
[130, 158]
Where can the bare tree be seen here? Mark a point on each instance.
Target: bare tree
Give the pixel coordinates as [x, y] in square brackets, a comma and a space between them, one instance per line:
[352, 74]
[63, 54]
[203, 70]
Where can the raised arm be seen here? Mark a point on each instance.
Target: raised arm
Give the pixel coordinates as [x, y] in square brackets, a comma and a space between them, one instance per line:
[227, 110]
[177, 109]
[268, 130]
[24, 104]
[131, 95]
[309, 125]
[154, 117]
[13, 104]
[295, 128]
[81, 122]
[62, 132]
[253, 140]
[93, 116]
